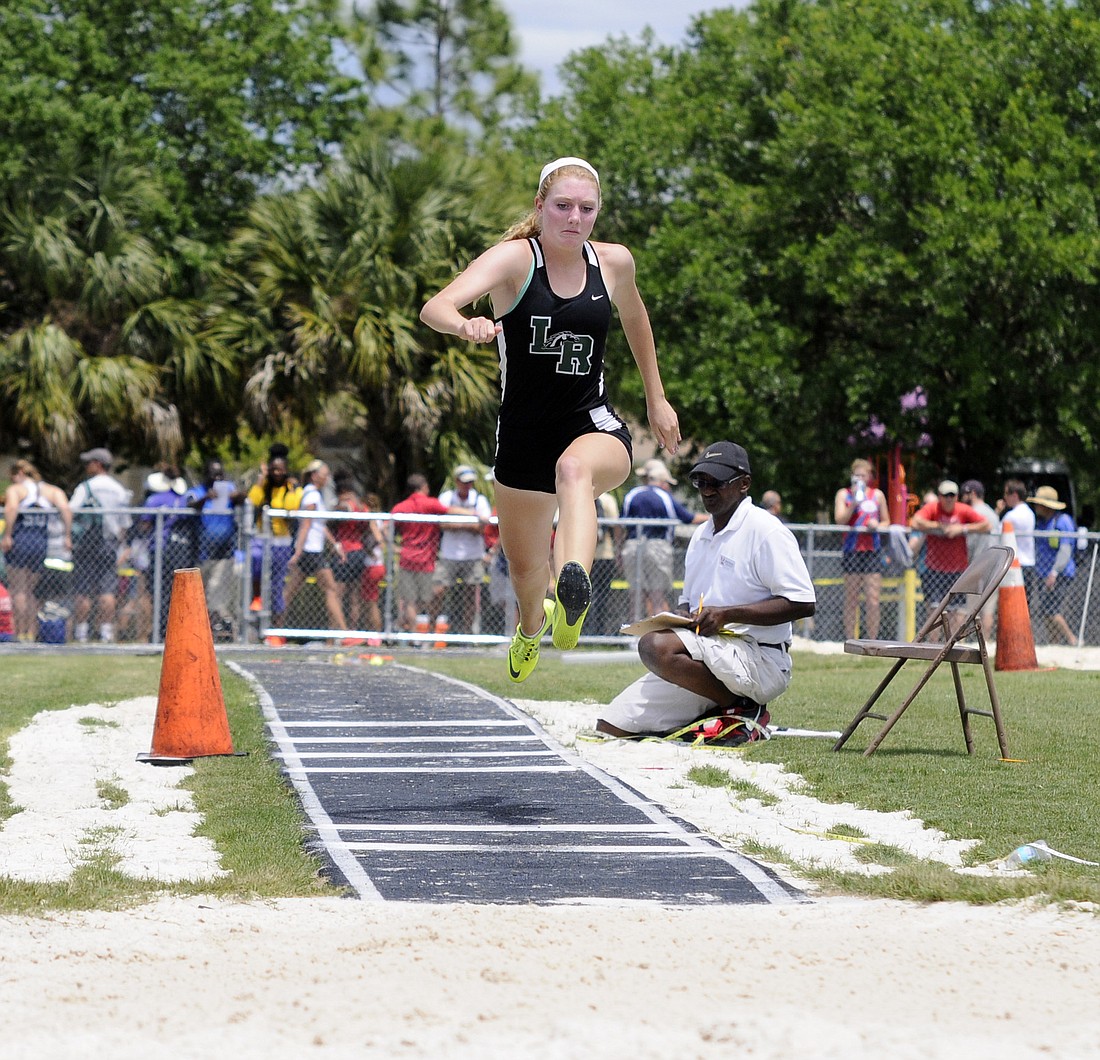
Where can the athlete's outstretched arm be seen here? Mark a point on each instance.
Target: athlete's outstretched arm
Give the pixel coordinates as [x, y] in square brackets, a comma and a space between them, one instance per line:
[639, 336]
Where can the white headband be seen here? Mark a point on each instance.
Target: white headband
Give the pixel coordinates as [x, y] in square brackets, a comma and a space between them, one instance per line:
[559, 163]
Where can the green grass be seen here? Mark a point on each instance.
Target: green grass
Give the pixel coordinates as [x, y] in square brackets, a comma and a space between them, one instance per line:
[254, 820]
[249, 813]
[114, 796]
[710, 776]
[1053, 722]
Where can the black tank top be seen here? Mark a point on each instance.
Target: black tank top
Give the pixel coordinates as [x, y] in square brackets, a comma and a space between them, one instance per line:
[552, 348]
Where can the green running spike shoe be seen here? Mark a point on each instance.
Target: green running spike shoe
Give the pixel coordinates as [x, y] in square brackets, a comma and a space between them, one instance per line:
[523, 655]
[572, 596]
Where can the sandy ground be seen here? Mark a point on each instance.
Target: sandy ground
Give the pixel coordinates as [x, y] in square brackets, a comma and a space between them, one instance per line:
[337, 977]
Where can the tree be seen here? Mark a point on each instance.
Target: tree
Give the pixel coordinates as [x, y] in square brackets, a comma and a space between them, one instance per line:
[452, 62]
[219, 97]
[101, 326]
[322, 302]
[861, 200]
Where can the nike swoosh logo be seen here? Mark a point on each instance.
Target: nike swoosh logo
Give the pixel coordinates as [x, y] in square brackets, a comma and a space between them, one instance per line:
[514, 673]
[596, 297]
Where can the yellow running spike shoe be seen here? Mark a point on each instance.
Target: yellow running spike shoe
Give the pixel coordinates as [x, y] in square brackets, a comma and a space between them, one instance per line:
[523, 655]
[572, 596]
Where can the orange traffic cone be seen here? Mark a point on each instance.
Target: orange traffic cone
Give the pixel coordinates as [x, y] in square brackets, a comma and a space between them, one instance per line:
[1015, 643]
[442, 626]
[191, 720]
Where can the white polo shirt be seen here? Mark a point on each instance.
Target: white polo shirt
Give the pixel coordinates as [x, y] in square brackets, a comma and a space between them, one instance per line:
[466, 543]
[1022, 519]
[754, 558]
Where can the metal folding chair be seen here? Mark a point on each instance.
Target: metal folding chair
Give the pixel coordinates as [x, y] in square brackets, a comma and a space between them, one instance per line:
[957, 618]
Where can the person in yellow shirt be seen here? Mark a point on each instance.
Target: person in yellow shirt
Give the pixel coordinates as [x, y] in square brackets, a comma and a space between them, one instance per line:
[276, 492]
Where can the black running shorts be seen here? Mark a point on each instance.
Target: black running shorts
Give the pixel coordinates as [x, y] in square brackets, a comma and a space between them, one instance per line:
[527, 460]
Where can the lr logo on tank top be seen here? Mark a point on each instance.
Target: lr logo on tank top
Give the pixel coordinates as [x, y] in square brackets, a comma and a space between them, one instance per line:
[574, 352]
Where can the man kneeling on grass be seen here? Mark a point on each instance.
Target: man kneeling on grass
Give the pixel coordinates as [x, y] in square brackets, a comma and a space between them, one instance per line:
[745, 582]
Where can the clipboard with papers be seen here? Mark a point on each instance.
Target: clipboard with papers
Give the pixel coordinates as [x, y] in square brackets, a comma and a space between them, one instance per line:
[671, 620]
[661, 620]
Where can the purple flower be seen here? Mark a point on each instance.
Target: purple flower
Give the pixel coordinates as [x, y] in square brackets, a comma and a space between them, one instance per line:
[915, 399]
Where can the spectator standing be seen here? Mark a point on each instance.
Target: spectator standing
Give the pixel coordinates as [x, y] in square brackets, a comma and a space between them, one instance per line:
[772, 503]
[648, 551]
[135, 564]
[972, 492]
[310, 558]
[96, 548]
[602, 619]
[1055, 541]
[214, 499]
[417, 553]
[861, 506]
[273, 491]
[29, 506]
[178, 533]
[460, 568]
[1013, 509]
[360, 542]
[945, 523]
[374, 541]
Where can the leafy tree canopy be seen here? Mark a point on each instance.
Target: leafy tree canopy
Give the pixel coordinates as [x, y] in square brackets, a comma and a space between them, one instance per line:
[219, 97]
[843, 203]
[322, 297]
[451, 61]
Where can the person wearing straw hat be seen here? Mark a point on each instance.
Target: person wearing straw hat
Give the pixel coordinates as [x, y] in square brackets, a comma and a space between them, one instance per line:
[560, 444]
[1055, 538]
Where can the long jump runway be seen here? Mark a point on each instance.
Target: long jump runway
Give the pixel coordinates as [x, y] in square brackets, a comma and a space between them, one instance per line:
[420, 788]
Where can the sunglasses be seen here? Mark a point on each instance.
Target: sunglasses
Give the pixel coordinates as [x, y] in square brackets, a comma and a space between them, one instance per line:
[706, 482]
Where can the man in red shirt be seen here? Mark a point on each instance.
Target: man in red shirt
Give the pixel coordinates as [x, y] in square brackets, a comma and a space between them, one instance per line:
[946, 521]
[419, 546]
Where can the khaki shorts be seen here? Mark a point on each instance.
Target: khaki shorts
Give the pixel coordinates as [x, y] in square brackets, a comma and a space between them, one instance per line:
[414, 586]
[652, 704]
[656, 563]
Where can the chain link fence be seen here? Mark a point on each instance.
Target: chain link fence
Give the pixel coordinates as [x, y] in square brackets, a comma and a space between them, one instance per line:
[115, 585]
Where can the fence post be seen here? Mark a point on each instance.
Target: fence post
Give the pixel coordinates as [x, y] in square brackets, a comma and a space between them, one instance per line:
[158, 568]
[1088, 594]
[390, 621]
[910, 580]
[264, 614]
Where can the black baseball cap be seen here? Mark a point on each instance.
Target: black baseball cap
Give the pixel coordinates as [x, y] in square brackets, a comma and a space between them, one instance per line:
[722, 461]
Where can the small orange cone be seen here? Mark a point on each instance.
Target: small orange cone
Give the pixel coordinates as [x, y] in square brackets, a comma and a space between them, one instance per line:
[1015, 643]
[191, 720]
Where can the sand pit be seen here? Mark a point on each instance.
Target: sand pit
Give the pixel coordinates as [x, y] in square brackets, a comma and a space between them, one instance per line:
[830, 978]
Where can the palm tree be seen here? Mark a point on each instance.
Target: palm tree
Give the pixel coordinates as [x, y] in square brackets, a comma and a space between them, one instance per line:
[323, 297]
[101, 334]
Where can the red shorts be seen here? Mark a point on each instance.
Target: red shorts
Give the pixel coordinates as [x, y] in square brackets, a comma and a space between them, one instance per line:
[371, 577]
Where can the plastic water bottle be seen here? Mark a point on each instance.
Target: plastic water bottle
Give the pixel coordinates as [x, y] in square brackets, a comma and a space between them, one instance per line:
[1028, 854]
[858, 489]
